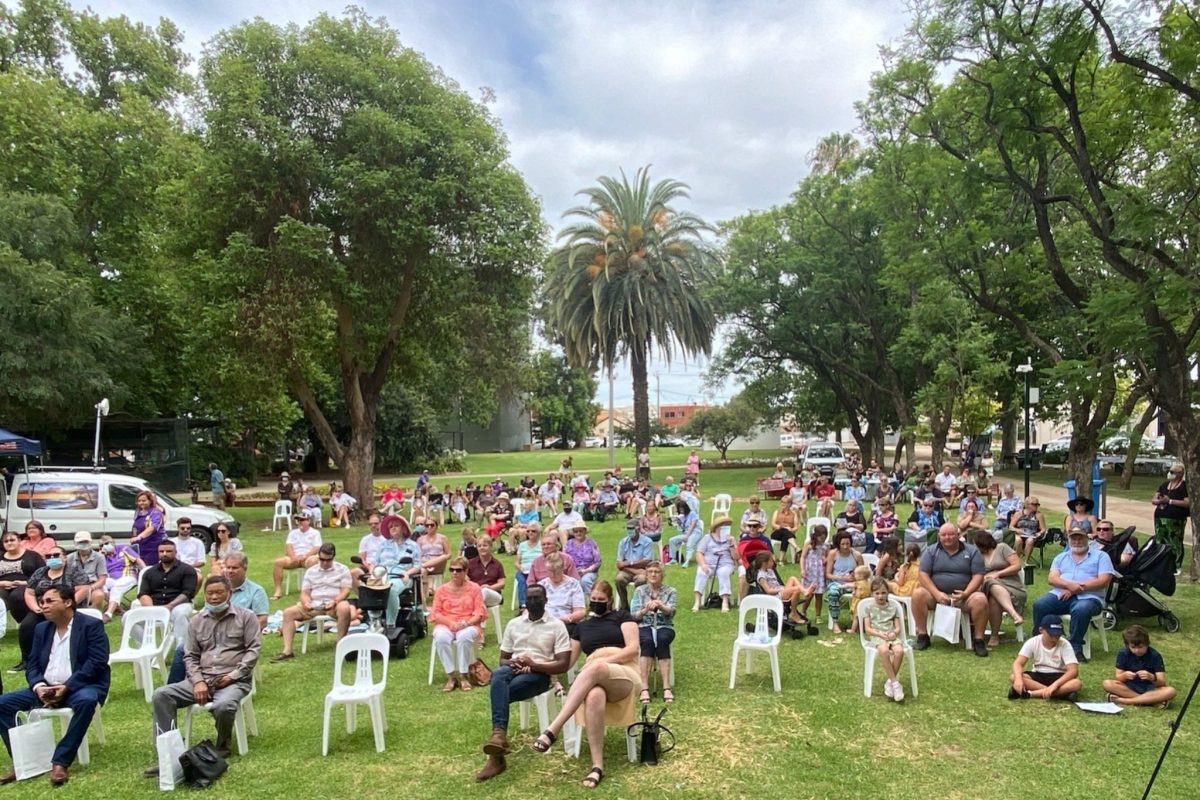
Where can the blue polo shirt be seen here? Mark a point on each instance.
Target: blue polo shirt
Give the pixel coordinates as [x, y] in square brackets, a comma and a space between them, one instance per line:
[1093, 564]
[251, 597]
[629, 550]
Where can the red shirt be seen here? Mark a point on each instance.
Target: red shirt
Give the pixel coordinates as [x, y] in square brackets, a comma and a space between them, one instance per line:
[824, 490]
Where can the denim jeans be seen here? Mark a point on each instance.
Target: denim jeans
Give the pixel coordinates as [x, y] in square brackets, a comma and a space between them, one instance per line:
[509, 687]
[521, 579]
[1081, 609]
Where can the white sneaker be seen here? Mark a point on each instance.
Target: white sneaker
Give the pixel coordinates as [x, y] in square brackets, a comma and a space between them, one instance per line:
[898, 692]
[888, 691]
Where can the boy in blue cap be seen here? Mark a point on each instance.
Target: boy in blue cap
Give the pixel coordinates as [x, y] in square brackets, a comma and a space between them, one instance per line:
[1054, 670]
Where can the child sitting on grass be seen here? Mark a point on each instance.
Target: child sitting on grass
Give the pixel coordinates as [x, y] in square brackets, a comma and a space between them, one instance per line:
[1055, 671]
[1141, 676]
[907, 576]
[881, 624]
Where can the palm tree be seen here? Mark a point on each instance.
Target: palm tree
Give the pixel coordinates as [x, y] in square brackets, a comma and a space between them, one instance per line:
[627, 277]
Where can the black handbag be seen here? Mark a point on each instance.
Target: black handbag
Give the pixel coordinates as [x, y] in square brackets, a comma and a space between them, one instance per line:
[650, 735]
[202, 765]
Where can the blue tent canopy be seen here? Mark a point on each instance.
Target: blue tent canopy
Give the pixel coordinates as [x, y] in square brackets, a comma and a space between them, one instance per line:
[11, 444]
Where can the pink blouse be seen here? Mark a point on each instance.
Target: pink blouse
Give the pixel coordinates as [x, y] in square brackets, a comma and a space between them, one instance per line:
[449, 607]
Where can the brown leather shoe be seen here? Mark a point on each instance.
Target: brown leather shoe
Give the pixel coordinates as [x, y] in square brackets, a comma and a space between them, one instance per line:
[497, 745]
[494, 766]
[7, 779]
[58, 775]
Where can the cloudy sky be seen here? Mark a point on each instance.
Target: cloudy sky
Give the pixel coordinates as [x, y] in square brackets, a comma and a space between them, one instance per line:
[725, 96]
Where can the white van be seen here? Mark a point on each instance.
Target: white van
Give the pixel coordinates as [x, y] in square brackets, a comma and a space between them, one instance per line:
[67, 500]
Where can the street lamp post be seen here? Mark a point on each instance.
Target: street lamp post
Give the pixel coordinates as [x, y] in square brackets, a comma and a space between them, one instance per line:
[1026, 370]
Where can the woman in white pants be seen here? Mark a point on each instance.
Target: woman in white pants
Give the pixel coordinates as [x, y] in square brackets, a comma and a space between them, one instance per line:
[715, 556]
[457, 617]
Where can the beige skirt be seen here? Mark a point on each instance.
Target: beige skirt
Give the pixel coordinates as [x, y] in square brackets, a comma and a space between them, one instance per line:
[620, 676]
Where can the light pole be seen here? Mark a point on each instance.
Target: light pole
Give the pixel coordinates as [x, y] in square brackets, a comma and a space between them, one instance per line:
[612, 457]
[1026, 370]
[101, 411]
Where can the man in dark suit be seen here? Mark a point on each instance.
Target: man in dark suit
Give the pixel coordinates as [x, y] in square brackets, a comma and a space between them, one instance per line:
[68, 668]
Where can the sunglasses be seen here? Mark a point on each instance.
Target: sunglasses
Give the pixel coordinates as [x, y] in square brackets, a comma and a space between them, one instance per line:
[219, 530]
[324, 558]
[1101, 528]
[457, 569]
[56, 555]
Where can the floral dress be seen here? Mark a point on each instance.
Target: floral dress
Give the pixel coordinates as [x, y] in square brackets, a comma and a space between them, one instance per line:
[814, 567]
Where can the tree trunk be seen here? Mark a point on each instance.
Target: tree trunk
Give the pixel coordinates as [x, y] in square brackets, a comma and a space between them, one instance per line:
[1009, 420]
[358, 467]
[939, 424]
[1135, 443]
[641, 398]
[1088, 418]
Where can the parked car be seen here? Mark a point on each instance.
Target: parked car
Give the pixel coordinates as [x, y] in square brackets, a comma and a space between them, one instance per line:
[561, 444]
[1055, 445]
[823, 457]
[593, 441]
[67, 500]
[668, 441]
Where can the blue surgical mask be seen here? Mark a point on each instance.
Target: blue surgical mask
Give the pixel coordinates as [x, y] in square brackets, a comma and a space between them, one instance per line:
[54, 563]
[419, 529]
[219, 608]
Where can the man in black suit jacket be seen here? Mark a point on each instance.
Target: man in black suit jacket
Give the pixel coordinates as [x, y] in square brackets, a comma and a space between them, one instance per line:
[67, 667]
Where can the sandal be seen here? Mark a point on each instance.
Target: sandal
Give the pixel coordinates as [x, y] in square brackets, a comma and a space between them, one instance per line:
[993, 642]
[544, 741]
[645, 697]
[464, 684]
[668, 696]
[276, 597]
[593, 778]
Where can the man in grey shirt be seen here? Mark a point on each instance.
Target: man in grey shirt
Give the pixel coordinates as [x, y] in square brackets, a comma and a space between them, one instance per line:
[951, 574]
[91, 564]
[222, 649]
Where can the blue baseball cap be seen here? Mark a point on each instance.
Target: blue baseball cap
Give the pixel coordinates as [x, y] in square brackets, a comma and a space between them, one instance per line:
[1052, 625]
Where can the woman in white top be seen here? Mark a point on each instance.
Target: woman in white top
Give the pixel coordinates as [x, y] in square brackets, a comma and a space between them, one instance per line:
[715, 556]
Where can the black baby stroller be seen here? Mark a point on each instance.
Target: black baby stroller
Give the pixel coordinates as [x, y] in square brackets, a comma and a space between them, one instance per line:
[1129, 594]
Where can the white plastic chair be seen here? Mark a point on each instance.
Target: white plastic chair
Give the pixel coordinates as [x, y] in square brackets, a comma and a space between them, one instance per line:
[433, 653]
[963, 631]
[155, 625]
[364, 691]
[319, 621]
[283, 511]
[494, 612]
[871, 654]
[574, 734]
[94, 613]
[721, 506]
[1087, 636]
[64, 715]
[761, 638]
[244, 719]
[518, 507]
[908, 607]
[871, 560]
[814, 522]
[541, 704]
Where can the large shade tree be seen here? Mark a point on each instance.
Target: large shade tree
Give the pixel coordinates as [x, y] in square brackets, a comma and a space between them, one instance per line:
[362, 226]
[628, 277]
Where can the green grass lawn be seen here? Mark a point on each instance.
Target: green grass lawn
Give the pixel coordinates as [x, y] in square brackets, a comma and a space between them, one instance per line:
[819, 738]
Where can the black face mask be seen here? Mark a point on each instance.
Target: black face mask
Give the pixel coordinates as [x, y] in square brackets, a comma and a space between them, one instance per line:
[599, 607]
[536, 606]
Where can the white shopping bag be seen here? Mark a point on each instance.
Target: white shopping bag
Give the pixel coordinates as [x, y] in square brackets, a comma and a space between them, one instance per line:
[32, 748]
[946, 622]
[170, 748]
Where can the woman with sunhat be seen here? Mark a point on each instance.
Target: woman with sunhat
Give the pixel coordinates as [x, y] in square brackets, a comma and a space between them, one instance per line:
[1079, 515]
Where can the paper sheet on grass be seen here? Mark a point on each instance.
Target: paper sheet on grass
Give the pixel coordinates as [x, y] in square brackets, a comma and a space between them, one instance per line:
[1101, 708]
